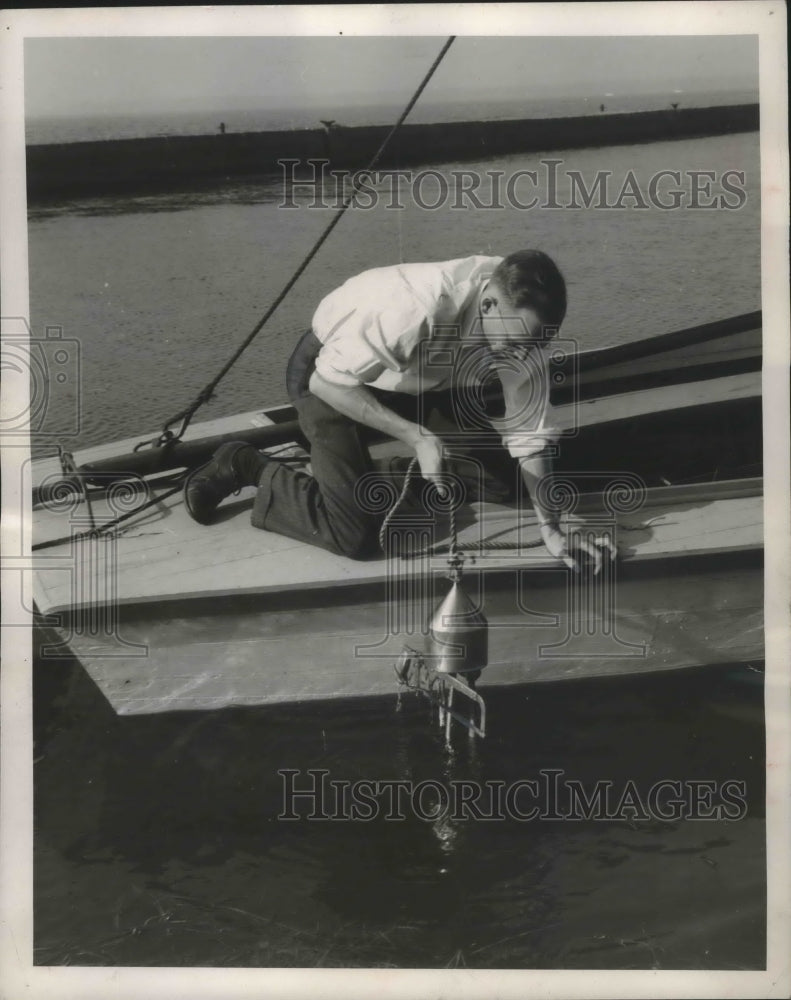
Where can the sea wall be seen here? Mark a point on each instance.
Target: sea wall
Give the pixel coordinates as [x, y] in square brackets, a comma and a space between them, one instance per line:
[144, 166]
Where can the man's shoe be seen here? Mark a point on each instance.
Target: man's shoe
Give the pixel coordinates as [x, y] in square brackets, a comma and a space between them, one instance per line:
[206, 487]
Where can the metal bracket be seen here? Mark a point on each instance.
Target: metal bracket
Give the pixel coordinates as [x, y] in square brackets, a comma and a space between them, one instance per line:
[439, 688]
[454, 682]
[67, 464]
[72, 471]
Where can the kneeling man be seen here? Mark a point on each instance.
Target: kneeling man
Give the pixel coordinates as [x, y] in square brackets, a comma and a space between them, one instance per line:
[382, 349]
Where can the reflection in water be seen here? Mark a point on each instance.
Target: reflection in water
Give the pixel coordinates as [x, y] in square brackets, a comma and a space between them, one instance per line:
[266, 190]
[167, 828]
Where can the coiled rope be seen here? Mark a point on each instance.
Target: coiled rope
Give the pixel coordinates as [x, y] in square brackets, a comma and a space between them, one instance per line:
[167, 437]
[452, 547]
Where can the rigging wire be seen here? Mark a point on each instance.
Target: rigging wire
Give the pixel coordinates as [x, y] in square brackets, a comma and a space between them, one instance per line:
[167, 437]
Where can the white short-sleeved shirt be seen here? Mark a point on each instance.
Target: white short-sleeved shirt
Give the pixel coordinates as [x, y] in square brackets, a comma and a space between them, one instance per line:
[402, 328]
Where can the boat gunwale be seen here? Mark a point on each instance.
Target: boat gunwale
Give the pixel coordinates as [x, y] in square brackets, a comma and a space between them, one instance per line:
[340, 590]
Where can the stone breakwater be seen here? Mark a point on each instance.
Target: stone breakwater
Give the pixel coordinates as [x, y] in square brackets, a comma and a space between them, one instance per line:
[178, 163]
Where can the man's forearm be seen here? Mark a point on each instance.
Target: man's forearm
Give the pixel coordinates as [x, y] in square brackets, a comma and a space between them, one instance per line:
[571, 551]
[361, 405]
[534, 469]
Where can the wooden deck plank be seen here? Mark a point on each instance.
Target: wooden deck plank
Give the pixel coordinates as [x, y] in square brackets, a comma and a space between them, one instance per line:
[739, 348]
[232, 557]
[718, 337]
[629, 405]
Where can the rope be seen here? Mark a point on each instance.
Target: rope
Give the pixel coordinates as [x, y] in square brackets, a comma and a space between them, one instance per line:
[484, 545]
[167, 436]
[94, 532]
[493, 544]
[452, 547]
[391, 513]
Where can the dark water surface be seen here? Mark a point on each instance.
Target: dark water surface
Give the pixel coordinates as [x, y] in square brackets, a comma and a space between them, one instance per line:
[158, 841]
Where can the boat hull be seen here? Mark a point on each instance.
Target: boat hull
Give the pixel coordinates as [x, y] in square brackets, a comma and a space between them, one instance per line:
[544, 625]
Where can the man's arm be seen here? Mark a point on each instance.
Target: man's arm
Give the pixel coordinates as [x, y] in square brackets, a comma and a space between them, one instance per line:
[362, 406]
[534, 469]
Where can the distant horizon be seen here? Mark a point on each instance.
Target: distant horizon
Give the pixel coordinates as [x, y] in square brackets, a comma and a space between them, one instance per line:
[249, 105]
[104, 127]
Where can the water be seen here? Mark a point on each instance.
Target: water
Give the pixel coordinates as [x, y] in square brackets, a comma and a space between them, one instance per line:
[166, 830]
[157, 838]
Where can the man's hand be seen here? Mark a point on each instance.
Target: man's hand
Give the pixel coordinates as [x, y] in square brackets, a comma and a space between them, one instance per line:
[428, 448]
[358, 403]
[558, 546]
[573, 549]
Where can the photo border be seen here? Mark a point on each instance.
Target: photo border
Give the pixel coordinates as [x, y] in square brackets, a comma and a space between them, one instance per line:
[19, 976]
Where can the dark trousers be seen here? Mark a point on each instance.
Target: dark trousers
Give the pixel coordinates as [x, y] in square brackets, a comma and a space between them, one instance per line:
[329, 509]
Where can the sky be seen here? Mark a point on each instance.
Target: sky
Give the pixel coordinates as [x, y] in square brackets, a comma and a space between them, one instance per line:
[123, 75]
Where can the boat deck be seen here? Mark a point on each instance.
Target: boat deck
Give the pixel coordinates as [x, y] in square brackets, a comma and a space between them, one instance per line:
[167, 614]
[166, 555]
